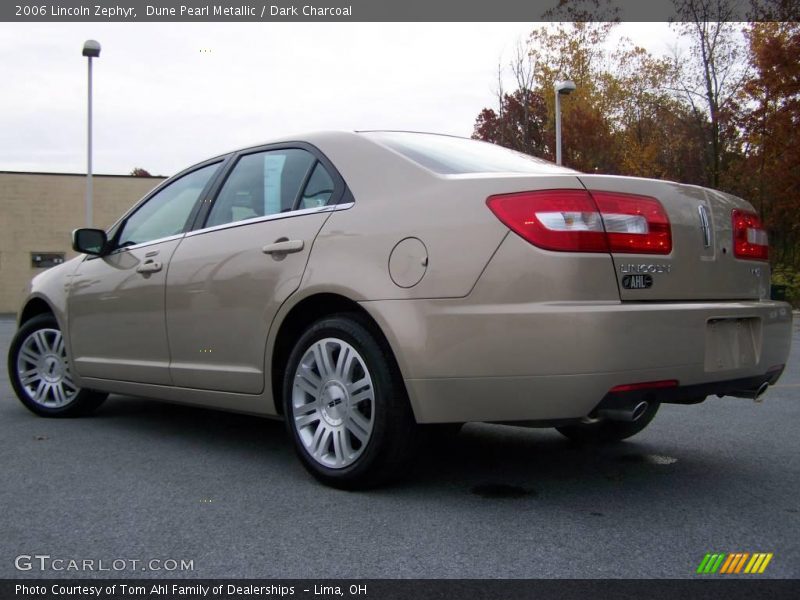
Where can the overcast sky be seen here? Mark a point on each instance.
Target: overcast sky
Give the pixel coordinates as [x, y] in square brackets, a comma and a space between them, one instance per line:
[169, 95]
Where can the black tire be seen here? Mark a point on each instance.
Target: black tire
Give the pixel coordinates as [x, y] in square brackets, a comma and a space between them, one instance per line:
[76, 401]
[605, 430]
[443, 430]
[440, 435]
[390, 445]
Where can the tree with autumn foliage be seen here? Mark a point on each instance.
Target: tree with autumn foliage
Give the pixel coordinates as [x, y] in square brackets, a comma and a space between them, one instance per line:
[520, 123]
[771, 133]
[623, 110]
[520, 120]
[710, 78]
[725, 114]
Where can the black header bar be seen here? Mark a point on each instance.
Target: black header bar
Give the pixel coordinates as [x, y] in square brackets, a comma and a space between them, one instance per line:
[386, 10]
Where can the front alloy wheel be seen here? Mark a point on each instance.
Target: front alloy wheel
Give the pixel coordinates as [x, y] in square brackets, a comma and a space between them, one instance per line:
[345, 404]
[40, 372]
[43, 369]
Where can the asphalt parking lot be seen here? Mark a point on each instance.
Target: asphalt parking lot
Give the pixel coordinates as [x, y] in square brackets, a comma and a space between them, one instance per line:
[144, 480]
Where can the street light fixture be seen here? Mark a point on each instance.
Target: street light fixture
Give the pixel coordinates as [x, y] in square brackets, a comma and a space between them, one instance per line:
[562, 88]
[91, 49]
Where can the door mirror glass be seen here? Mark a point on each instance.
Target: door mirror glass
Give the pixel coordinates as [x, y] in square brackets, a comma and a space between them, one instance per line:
[89, 241]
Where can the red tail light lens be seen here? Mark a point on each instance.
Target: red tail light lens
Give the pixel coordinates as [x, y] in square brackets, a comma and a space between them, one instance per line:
[634, 224]
[749, 236]
[580, 221]
[565, 220]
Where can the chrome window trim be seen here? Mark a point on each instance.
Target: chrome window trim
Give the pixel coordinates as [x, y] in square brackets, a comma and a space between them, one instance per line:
[169, 238]
[275, 217]
[115, 251]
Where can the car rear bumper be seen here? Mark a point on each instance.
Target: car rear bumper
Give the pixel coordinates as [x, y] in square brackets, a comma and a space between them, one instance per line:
[466, 361]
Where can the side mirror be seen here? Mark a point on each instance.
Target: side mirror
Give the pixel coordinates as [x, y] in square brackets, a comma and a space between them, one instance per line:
[89, 241]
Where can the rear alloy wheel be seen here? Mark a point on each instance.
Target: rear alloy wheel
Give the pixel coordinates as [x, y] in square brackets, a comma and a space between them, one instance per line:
[40, 372]
[606, 430]
[345, 405]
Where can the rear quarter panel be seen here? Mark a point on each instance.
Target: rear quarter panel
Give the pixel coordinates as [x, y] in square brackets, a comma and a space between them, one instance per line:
[396, 199]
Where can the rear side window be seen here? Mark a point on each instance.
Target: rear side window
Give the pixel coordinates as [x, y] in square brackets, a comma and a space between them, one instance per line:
[319, 189]
[449, 155]
[261, 184]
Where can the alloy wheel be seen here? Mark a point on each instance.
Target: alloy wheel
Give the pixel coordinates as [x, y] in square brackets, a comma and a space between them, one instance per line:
[333, 403]
[43, 369]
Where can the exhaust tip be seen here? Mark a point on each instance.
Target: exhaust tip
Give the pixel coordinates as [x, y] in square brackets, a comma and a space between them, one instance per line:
[758, 397]
[639, 410]
[751, 394]
[628, 413]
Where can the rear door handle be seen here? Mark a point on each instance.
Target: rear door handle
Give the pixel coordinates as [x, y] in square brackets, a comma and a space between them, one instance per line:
[149, 266]
[283, 247]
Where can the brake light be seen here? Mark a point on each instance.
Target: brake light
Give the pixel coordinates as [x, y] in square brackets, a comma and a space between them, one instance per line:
[581, 221]
[749, 236]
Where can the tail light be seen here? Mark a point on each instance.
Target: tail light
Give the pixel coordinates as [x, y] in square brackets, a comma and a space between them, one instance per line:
[749, 236]
[634, 224]
[581, 221]
[566, 220]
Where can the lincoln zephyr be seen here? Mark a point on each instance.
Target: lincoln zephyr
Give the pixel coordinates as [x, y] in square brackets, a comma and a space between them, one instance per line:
[372, 287]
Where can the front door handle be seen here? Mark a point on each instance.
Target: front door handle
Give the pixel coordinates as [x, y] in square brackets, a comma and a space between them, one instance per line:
[283, 246]
[149, 266]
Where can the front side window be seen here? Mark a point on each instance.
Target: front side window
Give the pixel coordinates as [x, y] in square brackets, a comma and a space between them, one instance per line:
[167, 212]
[261, 184]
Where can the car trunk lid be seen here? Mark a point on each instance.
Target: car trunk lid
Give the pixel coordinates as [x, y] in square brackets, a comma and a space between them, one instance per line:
[701, 264]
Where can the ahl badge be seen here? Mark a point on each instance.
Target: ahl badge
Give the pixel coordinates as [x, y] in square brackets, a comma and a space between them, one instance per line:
[637, 282]
[640, 276]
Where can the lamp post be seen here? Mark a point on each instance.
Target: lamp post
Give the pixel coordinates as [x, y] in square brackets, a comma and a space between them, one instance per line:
[91, 49]
[562, 88]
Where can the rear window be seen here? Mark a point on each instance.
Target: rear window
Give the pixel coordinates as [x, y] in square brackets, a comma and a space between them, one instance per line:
[449, 155]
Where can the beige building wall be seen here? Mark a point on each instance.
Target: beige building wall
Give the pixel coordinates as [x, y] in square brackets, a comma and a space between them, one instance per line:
[38, 212]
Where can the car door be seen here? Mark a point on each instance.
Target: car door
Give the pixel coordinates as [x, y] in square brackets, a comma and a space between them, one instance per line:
[117, 325]
[228, 278]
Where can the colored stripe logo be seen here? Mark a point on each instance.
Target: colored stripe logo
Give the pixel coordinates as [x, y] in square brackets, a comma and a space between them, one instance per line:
[734, 563]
